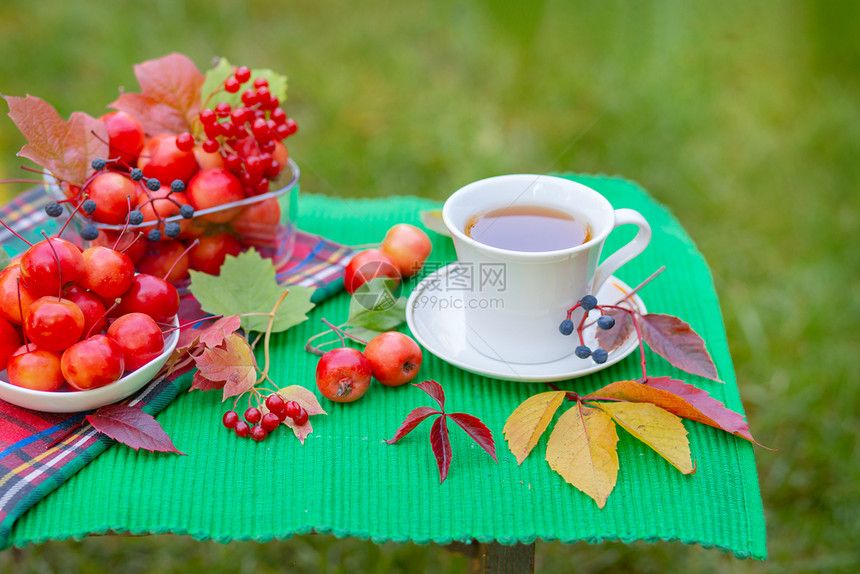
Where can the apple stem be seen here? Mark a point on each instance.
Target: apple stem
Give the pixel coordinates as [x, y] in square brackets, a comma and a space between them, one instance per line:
[336, 332]
[184, 253]
[15, 233]
[342, 333]
[103, 316]
[124, 227]
[59, 266]
[74, 211]
[188, 324]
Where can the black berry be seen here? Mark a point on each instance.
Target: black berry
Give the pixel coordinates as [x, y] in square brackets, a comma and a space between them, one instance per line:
[566, 327]
[606, 322]
[135, 217]
[154, 235]
[153, 184]
[136, 174]
[88, 206]
[582, 352]
[172, 229]
[177, 186]
[186, 211]
[89, 232]
[588, 302]
[599, 356]
[99, 164]
[54, 209]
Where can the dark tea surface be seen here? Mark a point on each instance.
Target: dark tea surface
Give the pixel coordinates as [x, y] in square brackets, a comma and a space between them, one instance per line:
[527, 228]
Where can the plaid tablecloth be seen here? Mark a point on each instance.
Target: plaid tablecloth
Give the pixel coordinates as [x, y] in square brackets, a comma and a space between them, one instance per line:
[29, 470]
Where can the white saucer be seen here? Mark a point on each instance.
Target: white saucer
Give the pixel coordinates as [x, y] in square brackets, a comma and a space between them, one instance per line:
[441, 329]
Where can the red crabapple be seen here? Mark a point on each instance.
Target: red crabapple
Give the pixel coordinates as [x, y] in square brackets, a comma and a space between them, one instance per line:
[258, 223]
[53, 324]
[408, 246]
[140, 338]
[111, 190]
[163, 255]
[91, 305]
[107, 273]
[125, 136]
[151, 295]
[366, 265]
[10, 340]
[343, 375]
[14, 295]
[39, 266]
[211, 251]
[36, 369]
[161, 159]
[214, 187]
[394, 358]
[92, 363]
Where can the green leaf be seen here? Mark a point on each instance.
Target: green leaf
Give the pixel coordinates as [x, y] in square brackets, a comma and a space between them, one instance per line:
[247, 284]
[222, 70]
[375, 306]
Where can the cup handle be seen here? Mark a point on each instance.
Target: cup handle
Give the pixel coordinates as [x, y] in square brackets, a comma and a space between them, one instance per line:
[627, 252]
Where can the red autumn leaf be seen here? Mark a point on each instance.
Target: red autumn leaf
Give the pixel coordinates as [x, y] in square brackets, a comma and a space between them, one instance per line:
[678, 343]
[132, 427]
[201, 383]
[441, 446]
[477, 430]
[611, 339]
[713, 412]
[213, 335]
[681, 399]
[439, 438]
[169, 98]
[433, 389]
[65, 148]
[234, 363]
[413, 419]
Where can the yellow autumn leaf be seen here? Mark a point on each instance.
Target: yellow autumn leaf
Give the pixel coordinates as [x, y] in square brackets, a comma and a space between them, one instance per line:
[527, 423]
[656, 427]
[582, 449]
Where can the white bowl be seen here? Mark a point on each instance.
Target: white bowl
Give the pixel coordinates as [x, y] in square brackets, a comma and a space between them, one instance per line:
[77, 401]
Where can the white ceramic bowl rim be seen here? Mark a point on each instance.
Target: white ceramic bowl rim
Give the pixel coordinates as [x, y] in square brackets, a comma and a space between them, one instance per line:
[69, 401]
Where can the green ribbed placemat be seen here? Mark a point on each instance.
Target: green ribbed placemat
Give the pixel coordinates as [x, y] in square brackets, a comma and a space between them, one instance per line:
[347, 481]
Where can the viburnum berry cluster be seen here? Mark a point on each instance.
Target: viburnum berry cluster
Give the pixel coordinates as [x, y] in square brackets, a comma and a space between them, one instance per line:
[248, 136]
[192, 162]
[258, 424]
[83, 316]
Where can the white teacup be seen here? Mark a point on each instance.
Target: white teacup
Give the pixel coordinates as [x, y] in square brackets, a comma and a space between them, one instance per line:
[517, 299]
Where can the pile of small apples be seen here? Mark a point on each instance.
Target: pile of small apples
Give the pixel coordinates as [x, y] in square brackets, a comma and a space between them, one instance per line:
[79, 317]
[393, 358]
[159, 183]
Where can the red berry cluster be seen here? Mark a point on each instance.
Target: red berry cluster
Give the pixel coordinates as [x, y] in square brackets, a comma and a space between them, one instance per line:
[83, 316]
[258, 425]
[171, 187]
[249, 136]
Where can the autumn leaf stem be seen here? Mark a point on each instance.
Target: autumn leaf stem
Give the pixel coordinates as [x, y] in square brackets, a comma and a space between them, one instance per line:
[66, 434]
[264, 374]
[635, 317]
[571, 396]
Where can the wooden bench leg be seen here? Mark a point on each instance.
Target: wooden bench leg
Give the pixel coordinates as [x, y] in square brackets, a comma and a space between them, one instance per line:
[497, 558]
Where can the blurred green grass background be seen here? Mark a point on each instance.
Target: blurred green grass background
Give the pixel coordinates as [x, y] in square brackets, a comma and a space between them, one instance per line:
[742, 117]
